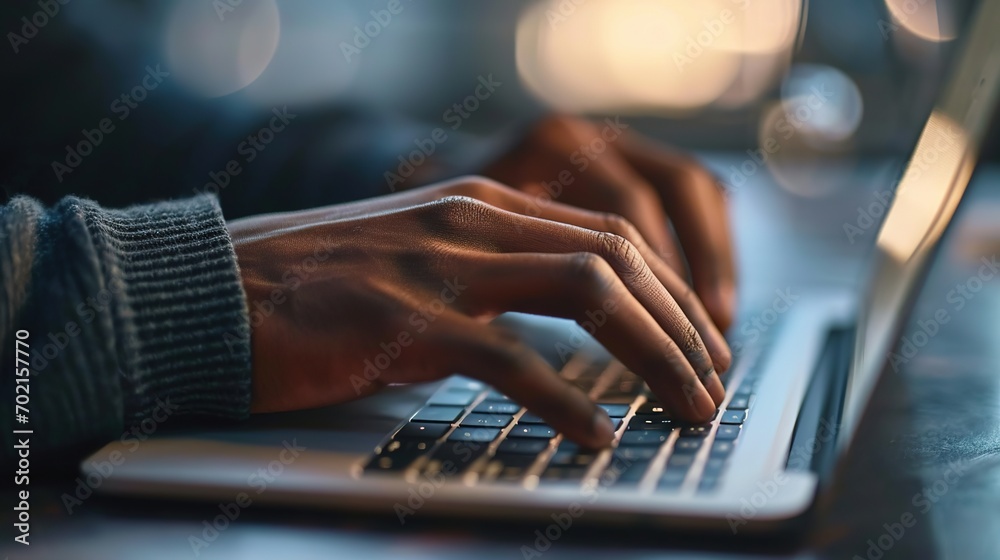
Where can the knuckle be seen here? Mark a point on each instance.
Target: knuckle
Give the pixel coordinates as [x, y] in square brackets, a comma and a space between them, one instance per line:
[475, 186]
[621, 226]
[621, 253]
[690, 340]
[459, 211]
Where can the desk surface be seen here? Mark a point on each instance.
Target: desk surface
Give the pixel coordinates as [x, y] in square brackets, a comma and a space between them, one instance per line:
[935, 432]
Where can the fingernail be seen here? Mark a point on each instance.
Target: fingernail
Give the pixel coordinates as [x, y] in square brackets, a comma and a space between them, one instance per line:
[604, 430]
[704, 404]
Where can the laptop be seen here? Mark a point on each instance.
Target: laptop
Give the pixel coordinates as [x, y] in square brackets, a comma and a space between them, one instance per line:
[793, 404]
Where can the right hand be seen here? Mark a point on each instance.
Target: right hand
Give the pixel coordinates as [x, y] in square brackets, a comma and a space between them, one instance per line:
[427, 269]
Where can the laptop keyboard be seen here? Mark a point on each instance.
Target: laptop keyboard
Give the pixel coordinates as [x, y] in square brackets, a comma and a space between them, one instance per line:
[470, 431]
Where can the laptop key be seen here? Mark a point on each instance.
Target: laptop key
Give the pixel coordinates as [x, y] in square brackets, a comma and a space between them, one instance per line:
[453, 457]
[494, 407]
[487, 420]
[650, 423]
[525, 446]
[627, 473]
[479, 435]
[573, 458]
[708, 483]
[714, 465]
[398, 455]
[644, 437]
[509, 467]
[652, 408]
[619, 410]
[438, 414]
[687, 445]
[671, 479]
[453, 397]
[681, 461]
[733, 417]
[721, 448]
[532, 431]
[728, 432]
[640, 453]
[555, 473]
[530, 418]
[422, 430]
[739, 403]
[696, 430]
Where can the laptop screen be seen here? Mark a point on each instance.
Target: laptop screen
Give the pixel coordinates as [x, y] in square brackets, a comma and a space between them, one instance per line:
[932, 183]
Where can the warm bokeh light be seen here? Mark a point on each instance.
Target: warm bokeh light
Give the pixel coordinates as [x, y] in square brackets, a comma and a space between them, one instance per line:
[933, 20]
[927, 190]
[654, 54]
[217, 51]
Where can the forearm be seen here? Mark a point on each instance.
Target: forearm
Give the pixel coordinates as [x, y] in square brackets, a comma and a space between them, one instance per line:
[132, 314]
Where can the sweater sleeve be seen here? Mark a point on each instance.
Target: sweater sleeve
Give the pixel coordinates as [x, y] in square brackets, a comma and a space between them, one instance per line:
[128, 315]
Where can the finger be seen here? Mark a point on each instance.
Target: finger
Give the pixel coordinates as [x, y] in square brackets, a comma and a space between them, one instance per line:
[584, 287]
[632, 196]
[516, 201]
[698, 211]
[477, 225]
[493, 355]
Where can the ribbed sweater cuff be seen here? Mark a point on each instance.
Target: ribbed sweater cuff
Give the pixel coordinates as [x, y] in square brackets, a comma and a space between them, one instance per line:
[183, 330]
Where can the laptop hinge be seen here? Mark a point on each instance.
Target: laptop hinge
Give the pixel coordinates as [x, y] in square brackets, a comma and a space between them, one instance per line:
[814, 439]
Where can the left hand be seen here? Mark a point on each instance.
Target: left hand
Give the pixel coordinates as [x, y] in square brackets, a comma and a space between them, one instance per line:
[607, 167]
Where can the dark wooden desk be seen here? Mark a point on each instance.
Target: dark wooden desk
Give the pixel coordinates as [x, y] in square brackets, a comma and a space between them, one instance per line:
[940, 410]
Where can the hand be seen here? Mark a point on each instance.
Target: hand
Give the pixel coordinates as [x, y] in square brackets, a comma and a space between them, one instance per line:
[605, 166]
[415, 277]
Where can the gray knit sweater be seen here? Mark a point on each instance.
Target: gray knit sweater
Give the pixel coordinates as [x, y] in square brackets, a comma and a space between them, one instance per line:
[125, 313]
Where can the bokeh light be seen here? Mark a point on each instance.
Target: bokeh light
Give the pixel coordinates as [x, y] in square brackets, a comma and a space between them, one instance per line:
[671, 55]
[216, 51]
[823, 102]
[932, 20]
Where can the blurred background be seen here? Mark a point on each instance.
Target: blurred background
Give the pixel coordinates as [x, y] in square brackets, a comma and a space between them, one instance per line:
[823, 84]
